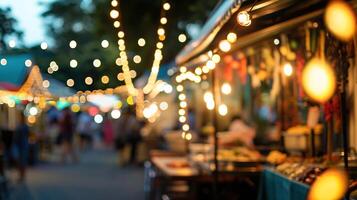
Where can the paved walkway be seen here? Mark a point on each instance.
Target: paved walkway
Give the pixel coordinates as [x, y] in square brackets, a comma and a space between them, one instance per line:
[96, 177]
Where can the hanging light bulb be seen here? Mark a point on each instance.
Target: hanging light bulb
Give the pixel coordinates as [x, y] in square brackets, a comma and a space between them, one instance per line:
[226, 88]
[231, 37]
[225, 46]
[288, 69]
[318, 80]
[340, 20]
[243, 18]
[223, 110]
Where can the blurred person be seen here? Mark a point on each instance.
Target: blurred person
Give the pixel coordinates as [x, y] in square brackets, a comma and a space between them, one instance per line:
[108, 131]
[21, 147]
[239, 133]
[66, 135]
[83, 129]
[128, 137]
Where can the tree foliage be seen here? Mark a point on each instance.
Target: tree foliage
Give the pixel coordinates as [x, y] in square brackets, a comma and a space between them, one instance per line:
[88, 22]
[8, 27]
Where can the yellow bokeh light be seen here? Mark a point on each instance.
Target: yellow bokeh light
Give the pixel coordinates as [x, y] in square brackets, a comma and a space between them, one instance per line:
[331, 185]
[166, 6]
[223, 109]
[141, 42]
[114, 14]
[70, 82]
[340, 20]
[216, 58]
[46, 83]
[31, 119]
[75, 108]
[105, 79]
[226, 88]
[182, 38]
[161, 31]
[130, 100]
[224, 46]
[243, 18]
[163, 20]
[318, 80]
[231, 37]
[288, 69]
[88, 80]
[137, 59]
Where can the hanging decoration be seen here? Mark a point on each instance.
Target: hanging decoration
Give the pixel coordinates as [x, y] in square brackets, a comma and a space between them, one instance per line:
[127, 74]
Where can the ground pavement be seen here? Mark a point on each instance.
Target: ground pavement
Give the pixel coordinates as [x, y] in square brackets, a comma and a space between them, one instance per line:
[95, 177]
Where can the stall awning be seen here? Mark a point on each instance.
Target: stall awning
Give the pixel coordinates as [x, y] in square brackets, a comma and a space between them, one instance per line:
[14, 73]
[17, 79]
[219, 17]
[265, 14]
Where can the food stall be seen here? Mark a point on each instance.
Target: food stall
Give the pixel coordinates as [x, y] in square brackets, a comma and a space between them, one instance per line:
[284, 72]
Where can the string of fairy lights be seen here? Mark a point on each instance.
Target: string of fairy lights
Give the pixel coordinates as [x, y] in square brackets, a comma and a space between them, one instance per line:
[127, 75]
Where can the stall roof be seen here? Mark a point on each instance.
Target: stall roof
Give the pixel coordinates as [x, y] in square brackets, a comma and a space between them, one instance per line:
[14, 73]
[265, 13]
[218, 18]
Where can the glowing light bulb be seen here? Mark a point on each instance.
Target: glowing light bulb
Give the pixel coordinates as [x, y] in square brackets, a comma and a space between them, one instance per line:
[70, 82]
[116, 24]
[231, 37]
[3, 61]
[335, 181]
[223, 110]
[276, 41]
[88, 80]
[161, 31]
[188, 136]
[318, 80]
[288, 69]
[46, 83]
[205, 69]
[166, 6]
[72, 44]
[33, 111]
[208, 96]
[137, 59]
[28, 63]
[216, 58]
[186, 127]
[96, 63]
[182, 38]
[98, 118]
[182, 119]
[105, 79]
[12, 43]
[243, 18]
[114, 3]
[75, 108]
[115, 114]
[44, 45]
[163, 20]
[340, 20]
[105, 43]
[179, 88]
[224, 46]
[226, 88]
[164, 105]
[198, 71]
[141, 42]
[73, 63]
[210, 64]
[114, 14]
[210, 105]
